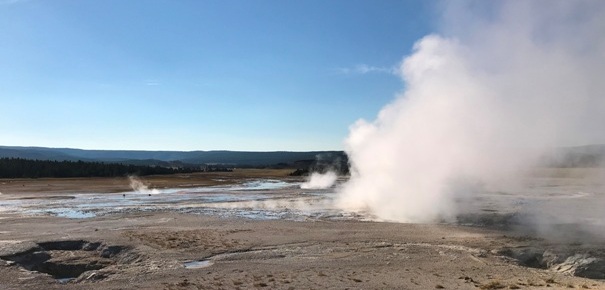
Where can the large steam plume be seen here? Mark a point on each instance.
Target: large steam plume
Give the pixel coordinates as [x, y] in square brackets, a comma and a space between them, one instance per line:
[501, 83]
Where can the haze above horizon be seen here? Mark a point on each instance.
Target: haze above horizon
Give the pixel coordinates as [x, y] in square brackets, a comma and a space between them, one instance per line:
[200, 75]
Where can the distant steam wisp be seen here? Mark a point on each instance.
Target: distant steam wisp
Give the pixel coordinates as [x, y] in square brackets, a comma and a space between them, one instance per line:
[320, 180]
[138, 186]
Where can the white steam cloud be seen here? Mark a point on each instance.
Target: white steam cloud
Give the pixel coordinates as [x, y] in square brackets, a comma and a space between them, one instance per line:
[138, 186]
[320, 180]
[502, 83]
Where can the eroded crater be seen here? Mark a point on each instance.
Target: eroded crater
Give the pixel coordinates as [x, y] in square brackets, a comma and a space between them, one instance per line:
[585, 263]
[67, 260]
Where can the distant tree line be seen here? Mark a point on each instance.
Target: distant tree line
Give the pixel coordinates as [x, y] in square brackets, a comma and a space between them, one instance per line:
[574, 159]
[338, 165]
[25, 168]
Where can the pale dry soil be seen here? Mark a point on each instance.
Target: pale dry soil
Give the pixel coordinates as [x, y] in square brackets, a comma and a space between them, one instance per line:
[245, 254]
[43, 187]
[135, 250]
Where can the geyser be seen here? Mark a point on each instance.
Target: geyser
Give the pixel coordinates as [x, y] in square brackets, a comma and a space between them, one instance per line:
[320, 180]
[501, 84]
[139, 187]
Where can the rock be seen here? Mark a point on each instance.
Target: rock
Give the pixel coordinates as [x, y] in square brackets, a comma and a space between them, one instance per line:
[551, 259]
[13, 249]
[528, 257]
[90, 246]
[582, 265]
[91, 276]
[110, 251]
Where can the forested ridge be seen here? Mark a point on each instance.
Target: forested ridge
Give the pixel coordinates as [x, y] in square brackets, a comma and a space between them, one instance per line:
[24, 168]
[161, 158]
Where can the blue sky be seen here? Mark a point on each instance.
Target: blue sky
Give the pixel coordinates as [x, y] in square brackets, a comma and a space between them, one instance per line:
[199, 75]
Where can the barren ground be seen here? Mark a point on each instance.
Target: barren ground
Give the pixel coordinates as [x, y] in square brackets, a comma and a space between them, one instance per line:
[148, 250]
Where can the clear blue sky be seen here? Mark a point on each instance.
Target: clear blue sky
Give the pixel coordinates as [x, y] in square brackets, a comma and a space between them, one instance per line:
[199, 75]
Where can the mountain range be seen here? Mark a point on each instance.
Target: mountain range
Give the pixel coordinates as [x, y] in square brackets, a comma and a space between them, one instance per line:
[163, 158]
[578, 156]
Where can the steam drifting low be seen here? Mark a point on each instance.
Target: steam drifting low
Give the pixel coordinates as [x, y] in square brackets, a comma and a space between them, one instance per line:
[320, 180]
[501, 84]
[139, 187]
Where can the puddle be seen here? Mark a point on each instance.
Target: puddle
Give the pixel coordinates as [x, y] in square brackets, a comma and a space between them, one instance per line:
[269, 199]
[257, 200]
[254, 199]
[64, 280]
[71, 213]
[198, 264]
[263, 184]
[266, 199]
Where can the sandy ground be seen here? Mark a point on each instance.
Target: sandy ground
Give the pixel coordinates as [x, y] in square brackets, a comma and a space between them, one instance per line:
[53, 186]
[149, 250]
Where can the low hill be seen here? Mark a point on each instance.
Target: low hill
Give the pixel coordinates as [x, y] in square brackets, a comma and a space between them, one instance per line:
[170, 158]
[579, 156]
